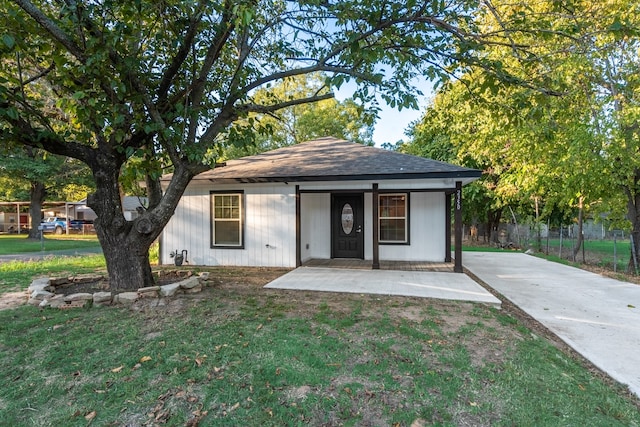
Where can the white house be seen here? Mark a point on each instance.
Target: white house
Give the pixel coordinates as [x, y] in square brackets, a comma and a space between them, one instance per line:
[321, 199]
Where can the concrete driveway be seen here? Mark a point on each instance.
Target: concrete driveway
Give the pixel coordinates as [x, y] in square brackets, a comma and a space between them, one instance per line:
[597, 316]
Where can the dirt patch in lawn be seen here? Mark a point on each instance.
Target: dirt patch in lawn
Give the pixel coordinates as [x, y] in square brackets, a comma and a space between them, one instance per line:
[12, 299]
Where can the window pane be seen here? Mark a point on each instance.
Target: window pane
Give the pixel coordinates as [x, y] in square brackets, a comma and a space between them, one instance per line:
[392, 230]
[226, 206]
[227, 233]
[392, 206]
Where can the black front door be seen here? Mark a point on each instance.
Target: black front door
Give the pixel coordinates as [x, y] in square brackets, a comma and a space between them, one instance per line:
[347, 226]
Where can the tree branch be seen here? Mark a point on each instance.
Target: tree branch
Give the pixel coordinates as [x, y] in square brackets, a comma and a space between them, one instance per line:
[52, 28]
[265, 109]
[181, 54]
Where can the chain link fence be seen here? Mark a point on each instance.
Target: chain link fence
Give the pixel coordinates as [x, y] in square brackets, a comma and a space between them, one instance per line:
[604, 248]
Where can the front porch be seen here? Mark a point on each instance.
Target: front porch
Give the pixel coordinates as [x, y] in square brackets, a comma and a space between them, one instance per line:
[361, 279]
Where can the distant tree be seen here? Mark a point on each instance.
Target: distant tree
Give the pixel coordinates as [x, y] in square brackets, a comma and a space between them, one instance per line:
[33, 174]
[555, 152]
[292, 125]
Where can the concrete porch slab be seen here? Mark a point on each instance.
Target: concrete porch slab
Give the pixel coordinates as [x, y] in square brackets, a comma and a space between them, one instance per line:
[425, 284]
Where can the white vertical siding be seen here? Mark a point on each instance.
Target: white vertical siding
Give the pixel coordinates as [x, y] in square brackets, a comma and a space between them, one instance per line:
[315, 225]
[187, 229]
[269, 220]
[368, 226]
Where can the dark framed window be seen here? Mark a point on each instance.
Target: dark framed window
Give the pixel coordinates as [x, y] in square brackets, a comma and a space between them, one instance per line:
[227, 219]
[393, 218]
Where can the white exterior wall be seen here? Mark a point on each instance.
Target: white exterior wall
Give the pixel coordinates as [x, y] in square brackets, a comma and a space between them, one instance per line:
[270, 219]
[315, 226]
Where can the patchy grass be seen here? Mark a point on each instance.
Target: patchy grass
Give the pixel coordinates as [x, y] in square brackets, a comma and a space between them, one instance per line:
[14, 244]
[238, 354]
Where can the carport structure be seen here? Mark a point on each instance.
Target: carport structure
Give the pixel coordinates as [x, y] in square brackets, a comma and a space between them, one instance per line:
[15, 217]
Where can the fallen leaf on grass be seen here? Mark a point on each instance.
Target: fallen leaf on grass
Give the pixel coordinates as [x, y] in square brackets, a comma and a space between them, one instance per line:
[145, 359]
[197, 416]
[91, 415]
[118, 369]
[200, 359]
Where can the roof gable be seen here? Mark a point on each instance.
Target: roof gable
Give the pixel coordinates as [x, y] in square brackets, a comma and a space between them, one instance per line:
[331, 159]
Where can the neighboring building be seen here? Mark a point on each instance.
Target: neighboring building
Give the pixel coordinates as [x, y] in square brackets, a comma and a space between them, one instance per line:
[11, 222]
[321, 199]
[80, 210]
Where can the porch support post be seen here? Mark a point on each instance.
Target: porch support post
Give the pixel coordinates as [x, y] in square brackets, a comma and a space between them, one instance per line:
[376, 252]
[458, 228]
[447, 228]
[298, 237]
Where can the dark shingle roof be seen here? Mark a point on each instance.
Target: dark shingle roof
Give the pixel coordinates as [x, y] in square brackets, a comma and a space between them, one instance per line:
[331, 159]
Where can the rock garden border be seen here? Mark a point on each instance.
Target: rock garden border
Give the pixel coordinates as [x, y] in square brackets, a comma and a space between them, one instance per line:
[47, 292]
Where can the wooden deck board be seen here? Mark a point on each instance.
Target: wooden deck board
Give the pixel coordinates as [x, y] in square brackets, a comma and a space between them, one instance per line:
[384, 265]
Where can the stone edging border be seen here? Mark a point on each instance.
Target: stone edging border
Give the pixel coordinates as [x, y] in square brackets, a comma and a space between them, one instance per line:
[42, 293]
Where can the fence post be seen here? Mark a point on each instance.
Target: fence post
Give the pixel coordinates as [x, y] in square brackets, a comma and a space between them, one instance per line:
[560, 250]
[633, 253]
[548, 233]
[615, 252]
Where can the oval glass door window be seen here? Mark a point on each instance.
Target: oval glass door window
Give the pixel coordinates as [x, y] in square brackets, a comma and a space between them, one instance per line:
[347, 218]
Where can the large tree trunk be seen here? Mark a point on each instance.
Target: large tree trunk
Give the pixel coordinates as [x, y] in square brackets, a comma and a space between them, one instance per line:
[127, 257]
[493, 222]
[125, 244]
[633, 215]
[580, 237]
[37, 193]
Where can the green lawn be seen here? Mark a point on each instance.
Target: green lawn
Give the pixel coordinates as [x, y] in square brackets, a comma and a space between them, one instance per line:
[240, 355]
[17, 275]
[14, 244]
